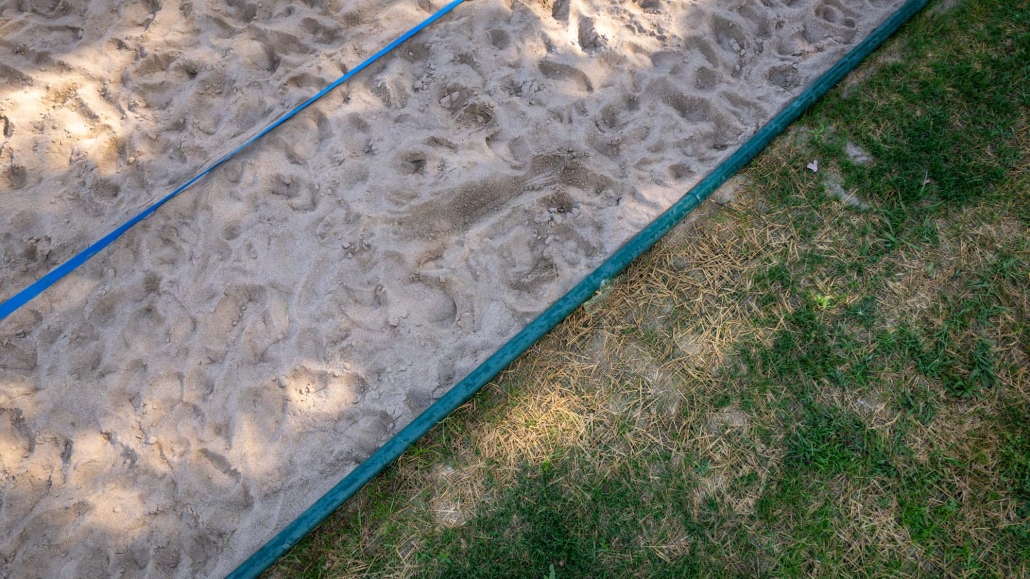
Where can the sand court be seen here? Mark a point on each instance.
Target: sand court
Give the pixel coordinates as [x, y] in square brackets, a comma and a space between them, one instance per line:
[179, 399]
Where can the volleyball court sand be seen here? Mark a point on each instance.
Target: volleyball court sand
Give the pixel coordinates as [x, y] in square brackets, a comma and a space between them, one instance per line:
[171, 405]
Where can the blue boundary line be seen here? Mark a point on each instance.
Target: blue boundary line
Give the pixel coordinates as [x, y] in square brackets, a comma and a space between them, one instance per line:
[634, 248]
[39, 286]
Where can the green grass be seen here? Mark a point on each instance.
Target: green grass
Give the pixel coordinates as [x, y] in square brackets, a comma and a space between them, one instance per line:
[790, 387]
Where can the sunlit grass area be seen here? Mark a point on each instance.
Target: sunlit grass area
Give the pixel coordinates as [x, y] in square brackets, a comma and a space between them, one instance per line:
[826, 374]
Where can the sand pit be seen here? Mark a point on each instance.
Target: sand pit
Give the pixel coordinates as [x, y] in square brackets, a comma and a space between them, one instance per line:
[171, 405]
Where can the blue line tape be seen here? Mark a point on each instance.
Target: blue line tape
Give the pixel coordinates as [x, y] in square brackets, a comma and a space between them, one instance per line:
[634, 248]
[39, 286]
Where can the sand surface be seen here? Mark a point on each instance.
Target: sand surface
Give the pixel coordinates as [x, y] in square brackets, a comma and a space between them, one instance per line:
[174, 403]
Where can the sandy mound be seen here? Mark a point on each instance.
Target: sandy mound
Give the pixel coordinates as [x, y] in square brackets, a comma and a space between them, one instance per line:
[171, 405]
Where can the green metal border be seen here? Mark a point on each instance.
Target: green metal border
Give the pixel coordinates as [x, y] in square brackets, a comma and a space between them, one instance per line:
[634, 248]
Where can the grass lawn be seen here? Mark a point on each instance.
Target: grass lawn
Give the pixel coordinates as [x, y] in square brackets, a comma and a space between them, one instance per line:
[827, 374]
